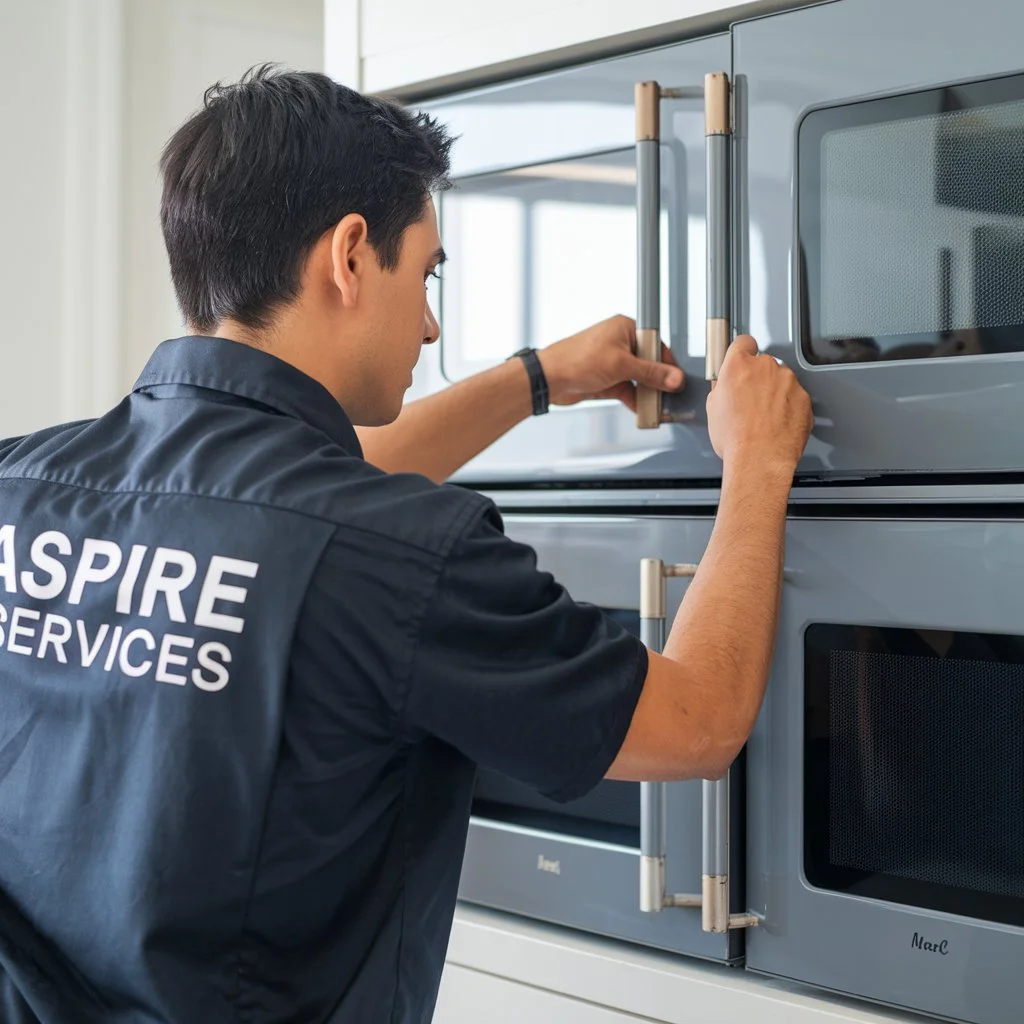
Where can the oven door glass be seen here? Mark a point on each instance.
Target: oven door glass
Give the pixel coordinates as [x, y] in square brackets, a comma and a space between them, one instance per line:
[911, 225]
[539, 252]
[914, 767]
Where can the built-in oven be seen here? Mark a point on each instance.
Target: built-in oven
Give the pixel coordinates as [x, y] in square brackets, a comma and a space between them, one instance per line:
[886, 772]
[886, 800]
[846, 186]
[613, 861]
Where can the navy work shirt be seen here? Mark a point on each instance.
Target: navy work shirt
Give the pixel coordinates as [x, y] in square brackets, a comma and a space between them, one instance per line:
[245, 682]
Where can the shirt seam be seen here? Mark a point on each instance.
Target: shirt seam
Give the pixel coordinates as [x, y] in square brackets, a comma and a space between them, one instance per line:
[135, 492]
[403, 684]
[266, 398]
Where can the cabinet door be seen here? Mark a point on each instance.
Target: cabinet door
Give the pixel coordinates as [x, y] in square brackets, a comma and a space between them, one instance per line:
[541, 231]
[469, 997]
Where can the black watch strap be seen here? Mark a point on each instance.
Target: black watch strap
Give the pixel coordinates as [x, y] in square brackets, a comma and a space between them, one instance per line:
[538, 382]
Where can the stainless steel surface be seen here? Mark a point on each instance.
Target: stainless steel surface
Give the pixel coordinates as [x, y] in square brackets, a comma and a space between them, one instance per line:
[648, 245]
[924, 573]
[716, 827]
[652, 883]
[719, 239]
[653, 810]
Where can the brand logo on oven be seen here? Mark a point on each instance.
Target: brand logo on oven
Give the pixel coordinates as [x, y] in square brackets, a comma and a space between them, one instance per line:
[552, 867]
[920, 942]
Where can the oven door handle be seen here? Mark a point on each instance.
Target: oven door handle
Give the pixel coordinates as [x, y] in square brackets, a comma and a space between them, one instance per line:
[717, 133]
[713, 899]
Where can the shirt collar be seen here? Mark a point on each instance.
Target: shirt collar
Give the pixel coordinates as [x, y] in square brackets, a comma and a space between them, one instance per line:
[236, 369]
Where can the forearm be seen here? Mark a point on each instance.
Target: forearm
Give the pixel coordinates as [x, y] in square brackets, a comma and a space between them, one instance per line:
[438, 434]
[724, 633]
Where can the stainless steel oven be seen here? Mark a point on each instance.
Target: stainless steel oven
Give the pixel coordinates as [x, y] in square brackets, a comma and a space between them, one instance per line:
[885, 796]
[860, 210]
[586, 863]
[855, 204]
[886, 773]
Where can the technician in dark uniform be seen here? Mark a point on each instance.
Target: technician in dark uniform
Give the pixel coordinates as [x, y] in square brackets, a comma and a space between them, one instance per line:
[248, 664]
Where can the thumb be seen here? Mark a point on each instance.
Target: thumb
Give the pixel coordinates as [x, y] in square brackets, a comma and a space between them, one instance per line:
[662, 376]
[743, 347]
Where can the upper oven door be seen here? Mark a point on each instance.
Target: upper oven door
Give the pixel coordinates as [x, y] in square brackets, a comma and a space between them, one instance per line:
[880, 158]
[886, 771]
[541, 234]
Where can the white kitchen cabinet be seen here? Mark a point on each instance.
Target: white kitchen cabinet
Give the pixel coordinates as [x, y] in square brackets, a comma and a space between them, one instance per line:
[469, 997]
[503, 969]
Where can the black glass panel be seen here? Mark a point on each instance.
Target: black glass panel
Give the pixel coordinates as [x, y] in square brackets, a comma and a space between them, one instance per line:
[610, 812]
[911, 225]
[914, 767]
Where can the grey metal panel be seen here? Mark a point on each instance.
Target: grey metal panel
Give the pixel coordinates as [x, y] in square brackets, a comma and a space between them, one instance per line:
[655, 498]
[596, 886]
[929, 415]
[925, 574]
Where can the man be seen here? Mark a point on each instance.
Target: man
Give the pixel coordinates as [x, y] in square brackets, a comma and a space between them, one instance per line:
[246, 673]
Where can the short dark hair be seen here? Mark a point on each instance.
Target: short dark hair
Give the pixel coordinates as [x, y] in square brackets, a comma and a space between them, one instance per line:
[253, 180]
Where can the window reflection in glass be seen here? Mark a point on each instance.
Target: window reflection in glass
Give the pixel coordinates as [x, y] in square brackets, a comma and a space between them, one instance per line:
[541, 252]
[912, 225]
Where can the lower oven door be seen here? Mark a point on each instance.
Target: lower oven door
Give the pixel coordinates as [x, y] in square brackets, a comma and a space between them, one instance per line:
[886, 811]
[578, 864]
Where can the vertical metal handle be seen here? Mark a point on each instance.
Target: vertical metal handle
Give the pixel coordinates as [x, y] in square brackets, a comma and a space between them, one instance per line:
[713, 898]
[717, 140]
[648, 244]
[718, 131]
[653, 808]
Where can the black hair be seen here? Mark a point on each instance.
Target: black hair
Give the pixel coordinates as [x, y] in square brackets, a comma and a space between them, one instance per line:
[253, 180]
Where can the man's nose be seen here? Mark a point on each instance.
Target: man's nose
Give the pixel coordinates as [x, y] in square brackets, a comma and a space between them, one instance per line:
[431, 330]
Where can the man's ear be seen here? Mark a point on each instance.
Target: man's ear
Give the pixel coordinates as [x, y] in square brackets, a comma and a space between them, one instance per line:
[350, 253]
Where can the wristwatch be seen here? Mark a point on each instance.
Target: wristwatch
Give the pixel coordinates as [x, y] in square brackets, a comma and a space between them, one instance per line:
[538, 382]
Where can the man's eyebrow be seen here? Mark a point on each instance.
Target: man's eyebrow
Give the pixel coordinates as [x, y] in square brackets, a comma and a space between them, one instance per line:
[438, 256]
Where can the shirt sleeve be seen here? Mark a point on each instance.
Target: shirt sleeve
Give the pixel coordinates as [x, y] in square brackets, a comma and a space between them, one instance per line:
[514, 673]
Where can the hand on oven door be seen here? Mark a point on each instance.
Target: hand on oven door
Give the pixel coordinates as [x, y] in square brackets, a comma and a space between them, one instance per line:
[600, 362]
[758, 413]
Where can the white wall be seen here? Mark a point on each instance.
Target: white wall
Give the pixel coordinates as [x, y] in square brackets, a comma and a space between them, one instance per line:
[93, 89]
[176, 49]
[58, 213]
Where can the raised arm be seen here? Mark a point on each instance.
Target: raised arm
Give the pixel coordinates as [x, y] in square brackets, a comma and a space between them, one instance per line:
[437, 435]
[701, 698]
